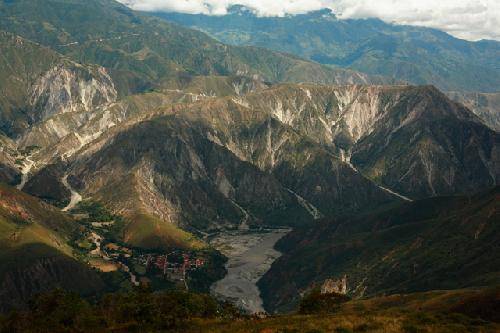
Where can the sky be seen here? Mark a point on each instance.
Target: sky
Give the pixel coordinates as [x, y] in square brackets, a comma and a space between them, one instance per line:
[467, 19]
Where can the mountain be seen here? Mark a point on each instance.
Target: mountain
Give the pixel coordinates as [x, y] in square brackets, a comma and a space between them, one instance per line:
[142, 53]
[158, 139]
[413, 140]
[34, 251]
[430, 146]
[233, 159]
[438, 243]
[412, 54]
[37, 83]
[485, 105]
[9, 172]
[282, 155]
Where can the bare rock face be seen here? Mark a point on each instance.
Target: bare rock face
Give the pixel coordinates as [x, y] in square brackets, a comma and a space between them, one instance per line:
[74, 88]
[332, 286]
[37, 83]
[413, 140]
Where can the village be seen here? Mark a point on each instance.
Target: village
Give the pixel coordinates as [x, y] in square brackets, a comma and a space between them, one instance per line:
[104, 253]
[173, 265]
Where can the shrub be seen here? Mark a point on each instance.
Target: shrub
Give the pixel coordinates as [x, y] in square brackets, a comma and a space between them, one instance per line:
[315, 302]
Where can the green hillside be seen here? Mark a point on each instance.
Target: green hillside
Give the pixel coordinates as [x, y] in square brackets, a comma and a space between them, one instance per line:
[142, 52]
[412, 54]
[459, 311]
[34, 251]
[440, 243]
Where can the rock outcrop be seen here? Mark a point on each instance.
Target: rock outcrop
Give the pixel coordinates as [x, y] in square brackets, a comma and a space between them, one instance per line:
[332, 286]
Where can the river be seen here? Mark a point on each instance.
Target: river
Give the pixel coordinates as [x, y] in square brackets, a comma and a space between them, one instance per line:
[27, 166]
[250, 255]
[75, 196]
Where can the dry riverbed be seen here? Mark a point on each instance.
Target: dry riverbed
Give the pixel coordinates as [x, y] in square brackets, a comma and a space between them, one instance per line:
[250, 255]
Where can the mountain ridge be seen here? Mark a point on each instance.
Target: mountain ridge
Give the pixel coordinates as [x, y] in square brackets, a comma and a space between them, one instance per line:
[407, 53]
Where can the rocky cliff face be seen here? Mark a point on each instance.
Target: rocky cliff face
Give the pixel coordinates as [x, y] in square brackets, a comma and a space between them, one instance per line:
[428, 146]
[9, 172]
[62, 90]
[311, 139]
[38, 83]
[186, 181]
[398, 136]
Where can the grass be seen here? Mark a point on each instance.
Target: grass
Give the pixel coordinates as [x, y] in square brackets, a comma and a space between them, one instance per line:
[386, 322]
[148, 232]
[429, 312]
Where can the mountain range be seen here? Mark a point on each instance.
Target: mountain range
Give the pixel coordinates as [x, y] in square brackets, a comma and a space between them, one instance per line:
[406, 53]
[334, 128]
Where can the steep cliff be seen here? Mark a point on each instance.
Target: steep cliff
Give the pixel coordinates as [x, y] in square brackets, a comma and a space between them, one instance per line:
[413, 140]
[186, 181]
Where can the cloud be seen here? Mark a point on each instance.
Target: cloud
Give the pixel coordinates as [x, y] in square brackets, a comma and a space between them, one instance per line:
[468, 19]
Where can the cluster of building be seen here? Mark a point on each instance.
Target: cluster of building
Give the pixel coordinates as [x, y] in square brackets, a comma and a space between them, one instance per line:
[173, 265]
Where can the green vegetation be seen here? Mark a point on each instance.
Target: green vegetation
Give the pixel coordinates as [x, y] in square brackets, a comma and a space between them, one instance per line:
[143, 53]
[202, 278]
[437, 243]
[412, 54]
[34, 252]
[136, 311]
[142, 311]
[96, 212]
[315, 302]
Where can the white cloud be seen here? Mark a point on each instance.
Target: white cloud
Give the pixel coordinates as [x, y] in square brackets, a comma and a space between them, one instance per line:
[468, 19]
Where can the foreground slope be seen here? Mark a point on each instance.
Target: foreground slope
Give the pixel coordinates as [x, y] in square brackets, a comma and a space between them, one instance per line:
[439, 311]
[457, 311]
[34, 254]
[439, 243]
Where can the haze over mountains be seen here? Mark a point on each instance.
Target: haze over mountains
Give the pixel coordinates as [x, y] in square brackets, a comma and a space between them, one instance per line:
[171, 136]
